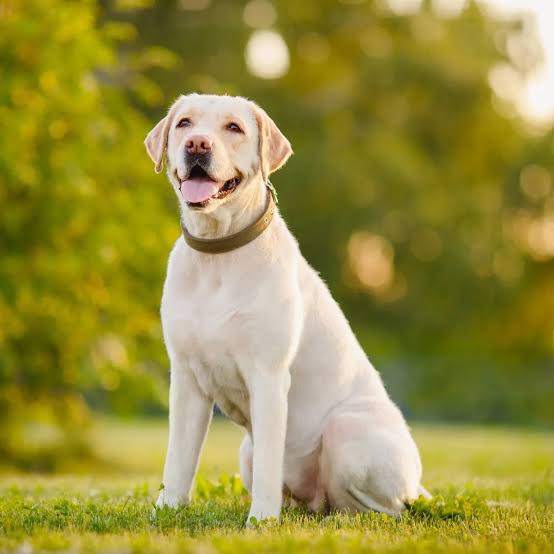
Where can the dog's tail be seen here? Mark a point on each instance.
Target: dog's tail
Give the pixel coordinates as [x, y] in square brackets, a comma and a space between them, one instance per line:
[422, 491]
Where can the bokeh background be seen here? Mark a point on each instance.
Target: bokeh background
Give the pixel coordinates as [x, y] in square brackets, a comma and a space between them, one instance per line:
[421, 190]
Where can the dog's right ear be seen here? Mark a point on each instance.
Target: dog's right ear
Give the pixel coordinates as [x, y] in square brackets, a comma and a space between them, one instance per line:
[156, 140]
[156, 143]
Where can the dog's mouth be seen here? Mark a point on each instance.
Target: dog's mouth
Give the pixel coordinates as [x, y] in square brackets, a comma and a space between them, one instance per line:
[198, 188]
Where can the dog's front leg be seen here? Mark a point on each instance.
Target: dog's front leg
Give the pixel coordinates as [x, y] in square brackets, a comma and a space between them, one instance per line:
[268, 404]
[190, 412]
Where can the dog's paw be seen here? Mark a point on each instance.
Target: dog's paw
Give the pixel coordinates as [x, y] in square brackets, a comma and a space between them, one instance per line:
[167, 500]
[257, 519]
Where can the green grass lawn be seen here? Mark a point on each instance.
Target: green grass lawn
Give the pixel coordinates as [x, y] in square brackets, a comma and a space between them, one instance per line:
[493, 487]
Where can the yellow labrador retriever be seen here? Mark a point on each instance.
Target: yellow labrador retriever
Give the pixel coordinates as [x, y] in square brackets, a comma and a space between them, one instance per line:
[249, 325]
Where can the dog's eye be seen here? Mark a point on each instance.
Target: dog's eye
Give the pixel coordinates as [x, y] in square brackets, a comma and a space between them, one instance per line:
[185, 122]
[233, 127]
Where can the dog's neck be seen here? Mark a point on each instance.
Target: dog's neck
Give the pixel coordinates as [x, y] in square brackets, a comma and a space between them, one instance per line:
[242, 209]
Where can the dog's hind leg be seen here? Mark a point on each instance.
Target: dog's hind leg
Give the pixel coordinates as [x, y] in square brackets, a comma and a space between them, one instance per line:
[367, 467]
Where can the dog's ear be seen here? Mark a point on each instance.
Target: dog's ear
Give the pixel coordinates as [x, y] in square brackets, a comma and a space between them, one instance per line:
[156, 139]
[274, 149]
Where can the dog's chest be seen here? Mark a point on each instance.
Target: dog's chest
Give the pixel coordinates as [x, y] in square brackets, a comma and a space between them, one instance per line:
[207, 323]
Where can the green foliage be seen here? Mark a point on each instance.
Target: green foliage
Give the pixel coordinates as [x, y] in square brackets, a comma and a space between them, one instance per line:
[493, 492]
[454, 521]
[407, 190]
[404, 157]
[227, 486]
[450, 505]
[85, 230]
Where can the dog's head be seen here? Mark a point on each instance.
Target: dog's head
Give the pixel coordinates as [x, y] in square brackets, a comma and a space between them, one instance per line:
[214, 146]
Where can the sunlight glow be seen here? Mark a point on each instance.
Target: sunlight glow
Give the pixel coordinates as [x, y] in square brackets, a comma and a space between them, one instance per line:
[449, 8]
[403, 7]
[267, 55]
[371, 260]
[536, 98]
[259, 14]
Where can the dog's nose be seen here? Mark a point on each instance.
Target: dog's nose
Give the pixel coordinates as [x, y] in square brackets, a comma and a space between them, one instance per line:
[198, 144]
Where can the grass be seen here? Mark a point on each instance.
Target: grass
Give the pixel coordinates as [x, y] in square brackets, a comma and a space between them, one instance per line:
[494, 492]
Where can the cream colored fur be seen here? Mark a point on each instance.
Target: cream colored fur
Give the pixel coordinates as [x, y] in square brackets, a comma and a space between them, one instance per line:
[256, 331]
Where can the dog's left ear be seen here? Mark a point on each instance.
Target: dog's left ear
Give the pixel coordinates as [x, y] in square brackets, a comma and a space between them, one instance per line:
[274, 148]
[156, 139]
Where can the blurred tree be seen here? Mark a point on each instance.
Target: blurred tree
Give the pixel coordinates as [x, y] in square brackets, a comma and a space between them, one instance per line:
[85, 230]
[415, 191]
[408, 183]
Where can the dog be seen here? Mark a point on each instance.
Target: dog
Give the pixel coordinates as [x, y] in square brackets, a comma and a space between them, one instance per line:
[250, 326]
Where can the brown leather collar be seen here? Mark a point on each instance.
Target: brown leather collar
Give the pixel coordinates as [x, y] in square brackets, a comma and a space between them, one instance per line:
[236, 240]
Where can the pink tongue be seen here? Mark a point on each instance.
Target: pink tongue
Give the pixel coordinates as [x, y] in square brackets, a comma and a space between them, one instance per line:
[198, 190]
